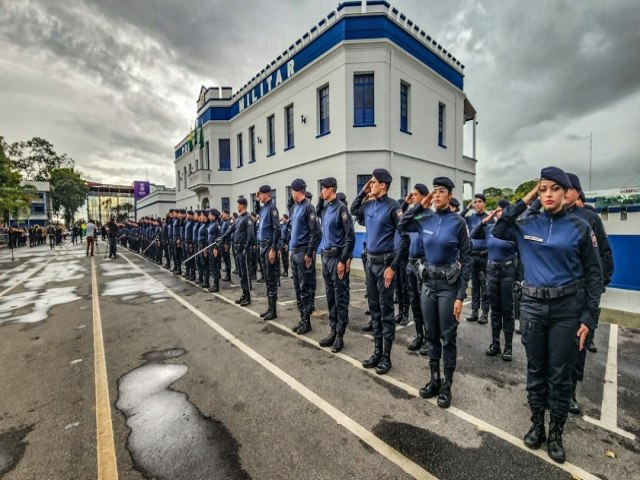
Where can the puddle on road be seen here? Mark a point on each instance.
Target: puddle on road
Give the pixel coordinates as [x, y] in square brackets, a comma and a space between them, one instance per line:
[32, 307]
[56, 272]
[169, 437]
[133, 288]
[12, 447]
[117, 269]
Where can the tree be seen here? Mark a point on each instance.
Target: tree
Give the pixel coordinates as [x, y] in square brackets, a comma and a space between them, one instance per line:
[15, 200]
[35, 159]
[492, 192]
[68, 192]
[525, 188]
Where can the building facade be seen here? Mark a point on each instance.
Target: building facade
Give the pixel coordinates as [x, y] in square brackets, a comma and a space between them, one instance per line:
[104, 201]
[157, 203]
[365, 88]
[40, 210]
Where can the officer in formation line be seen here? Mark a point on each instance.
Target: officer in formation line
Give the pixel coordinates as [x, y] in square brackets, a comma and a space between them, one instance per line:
[479, 297]
[268, 236]
[241, 232]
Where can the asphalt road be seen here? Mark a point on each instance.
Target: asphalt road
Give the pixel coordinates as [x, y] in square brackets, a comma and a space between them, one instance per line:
[199, 388]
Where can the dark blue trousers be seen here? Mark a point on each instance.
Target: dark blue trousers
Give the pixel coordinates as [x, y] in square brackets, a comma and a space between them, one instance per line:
[337, 294]
[303, 278]
[438, 297]
[380, 301]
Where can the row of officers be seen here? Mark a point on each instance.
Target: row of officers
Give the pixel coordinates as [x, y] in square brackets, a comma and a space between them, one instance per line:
[546, 247]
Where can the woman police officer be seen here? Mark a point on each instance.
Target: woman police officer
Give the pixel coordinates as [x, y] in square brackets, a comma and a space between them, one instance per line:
[445, 275]
[561, 291]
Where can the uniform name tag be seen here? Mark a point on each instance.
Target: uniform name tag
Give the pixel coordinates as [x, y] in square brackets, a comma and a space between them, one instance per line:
[428, 232]
[533, 239]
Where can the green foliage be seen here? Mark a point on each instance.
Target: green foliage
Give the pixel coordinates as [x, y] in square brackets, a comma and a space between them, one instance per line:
[525, 188]
[36, 158]
[492, 192]
[15, 200]
[68, 192]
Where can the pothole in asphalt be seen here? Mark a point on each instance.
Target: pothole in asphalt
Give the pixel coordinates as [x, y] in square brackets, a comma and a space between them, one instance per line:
[12, 447]
[169, 437]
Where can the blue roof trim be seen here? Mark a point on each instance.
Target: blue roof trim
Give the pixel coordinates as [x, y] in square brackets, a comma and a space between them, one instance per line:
[378, 2]
[347, 28]
[349, 4]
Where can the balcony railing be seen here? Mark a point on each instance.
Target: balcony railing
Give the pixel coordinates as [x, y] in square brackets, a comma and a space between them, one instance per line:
[199, 180]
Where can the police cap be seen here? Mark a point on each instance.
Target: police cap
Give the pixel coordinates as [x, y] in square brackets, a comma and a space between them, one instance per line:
[557, 175]
[183, 211]
[265, 189]
[382, 175]
[309, 195]
[214, 212]
[198, 212]
[242, 201]
[443, 182]
[503, 203]
[454, 202]
[480, 196]
[171, 210]
[189, 212]
[421, 188]
[329, 182]
[575, 181]
[205, 212]
[298, 185]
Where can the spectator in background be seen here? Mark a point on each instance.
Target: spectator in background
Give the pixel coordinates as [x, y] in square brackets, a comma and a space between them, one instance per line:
[91, 237]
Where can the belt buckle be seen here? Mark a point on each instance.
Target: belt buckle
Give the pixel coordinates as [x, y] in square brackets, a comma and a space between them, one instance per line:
[546, 294]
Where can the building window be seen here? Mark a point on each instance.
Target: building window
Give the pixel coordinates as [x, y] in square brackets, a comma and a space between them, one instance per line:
[442, 118]
[623, 213]
[206, 155]
[604, 213]
[288, 127]
[288, 190]
[240, 158]
[225, 203]
[252, 202]
[224, 151]
[323, 111]
[405, 90]
[178, 179]
[271, 138]
[274, 197]
[363, 111]
[252, 144]
[404, 186]
[185, 177]
[362, 181]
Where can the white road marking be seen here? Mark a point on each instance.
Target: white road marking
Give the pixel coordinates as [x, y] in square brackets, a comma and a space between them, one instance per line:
[358, 430]
[78, 360]
[609, 409]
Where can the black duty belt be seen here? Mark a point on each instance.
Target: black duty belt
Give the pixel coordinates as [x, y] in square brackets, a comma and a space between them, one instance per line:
[501, 265]
[546, 293]
[264, 242]
[385, 257]
[332, 252]
[479, 253]
[300, 249]
[416, 259]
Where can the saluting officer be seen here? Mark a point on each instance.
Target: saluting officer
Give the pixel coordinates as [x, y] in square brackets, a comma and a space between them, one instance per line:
[561, 291]
[268, 240]
[479, 297]
[445, 275]
[502, 271]
[338, 240]
[203, 256]
[380, 215]
[305, 237]
[606, 261]
[243, 240]
[215, 250]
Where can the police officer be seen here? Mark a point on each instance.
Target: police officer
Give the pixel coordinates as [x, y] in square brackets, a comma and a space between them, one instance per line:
[166, 239]
[445, 275]
[502, 270]
[178, 239]
[285, 238]
[225, 246]
[414, 280]
[560, 295]
[401, 285]
[268, 240]
[203, 256]
[479, 253]
[454, 204]
[314, 279]
[215, 250]
[305, 237]
[380, 215]
[243, 239]
[188, 244]
[606, 261]
[338, 241]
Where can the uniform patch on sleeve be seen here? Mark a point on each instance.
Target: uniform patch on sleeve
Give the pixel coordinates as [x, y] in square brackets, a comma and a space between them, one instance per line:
[594, 240]
[533, 239]
[312, 216]
[345, 216]
[274, 212]
[399, 213]
[250, 222]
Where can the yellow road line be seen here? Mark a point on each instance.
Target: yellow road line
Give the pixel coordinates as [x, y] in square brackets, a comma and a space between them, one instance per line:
[107, 466]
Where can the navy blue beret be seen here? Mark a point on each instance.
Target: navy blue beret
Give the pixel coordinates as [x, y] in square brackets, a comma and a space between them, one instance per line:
[480, 196]
[242, 201]
[171, 210]
[443, 182]
[298, 185]
[205, 212]
[309, 195]
[421, 188]
[183, 211]
[382, 175]
[575, 181]
[198, 211]
[214, 212]
[189, 212]
[265, 189]
[581, 196]
[503, 203]
[557, 175]
[341, 196]
[329, 182]
[454, 202]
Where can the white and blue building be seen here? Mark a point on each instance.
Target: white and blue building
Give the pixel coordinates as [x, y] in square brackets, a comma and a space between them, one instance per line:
[365, 88]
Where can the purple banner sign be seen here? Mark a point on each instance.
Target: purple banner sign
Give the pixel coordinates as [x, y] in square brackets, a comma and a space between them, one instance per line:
[140, 189]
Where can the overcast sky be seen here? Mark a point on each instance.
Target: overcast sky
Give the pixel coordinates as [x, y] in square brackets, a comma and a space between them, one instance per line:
[114, 83]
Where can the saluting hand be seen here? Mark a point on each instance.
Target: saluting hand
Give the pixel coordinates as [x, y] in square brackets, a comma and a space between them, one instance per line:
[457, 309]
[426, 201]
[389, 273]
[583, 331]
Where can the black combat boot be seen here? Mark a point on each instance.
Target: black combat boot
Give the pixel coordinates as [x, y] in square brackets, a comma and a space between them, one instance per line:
[473, 317]
[385, 364]
[329, 339]
[432, 388]
[508, 340]
[374, 359]
[241, 299]
[555, 449]
[263, 314]
[247, 299]
[305, 324]
[338, 344]
[271, 313]
[418, 341]
[574, 406]
[484, 318]
[215, 288]
[444, 398]
[368, 327]
[403, 315]
[424, 349]
[536, 434]
[494, 348]
[227, 277]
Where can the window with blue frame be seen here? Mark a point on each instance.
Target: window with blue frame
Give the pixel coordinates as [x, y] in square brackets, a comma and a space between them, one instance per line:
[404, 186]
[323, 110]
[404, 106]
[288, 127]
[361, 181]
[240, 156]
[442, 117]
[224, 152]
[271, 137]
[363, 109]
[252, 144]
[225, 203]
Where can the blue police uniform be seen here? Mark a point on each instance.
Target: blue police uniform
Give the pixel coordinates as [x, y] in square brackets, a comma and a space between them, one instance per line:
[414, 281]
[401, 280]
[188, 247]
[242, 233]
[203, 257]
[268, 239]
[562, 287]
[479, 297]
[285, 238]
[305, 237]
[176, 235]
[215, 252]
[445, 278]
[166, 241]
[338, 241]
[226, 250]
